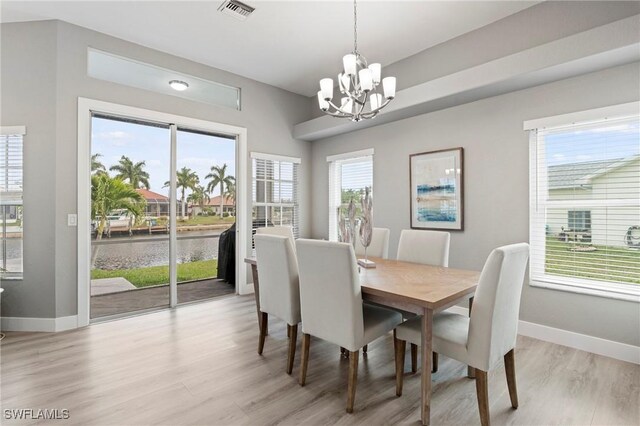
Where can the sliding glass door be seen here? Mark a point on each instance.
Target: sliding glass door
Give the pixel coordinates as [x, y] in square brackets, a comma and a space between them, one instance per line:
[157, 215]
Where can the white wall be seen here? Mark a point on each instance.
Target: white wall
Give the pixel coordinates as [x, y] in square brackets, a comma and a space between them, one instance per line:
[496, 184]
[43, 74]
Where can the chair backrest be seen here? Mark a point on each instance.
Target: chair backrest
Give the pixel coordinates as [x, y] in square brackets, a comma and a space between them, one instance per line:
[379, 246]
[283, 231]
[279, 283]
[426, 247]
[330, 295]
[494, 317]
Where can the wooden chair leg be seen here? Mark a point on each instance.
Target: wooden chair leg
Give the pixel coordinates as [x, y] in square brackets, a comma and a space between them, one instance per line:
[304, 362]
[434, 362]
[400, 347]
[353, 379]
[292, 331]
[264, 325]
[483, 397]
[364, 349]
[510, 367]
[414, 357]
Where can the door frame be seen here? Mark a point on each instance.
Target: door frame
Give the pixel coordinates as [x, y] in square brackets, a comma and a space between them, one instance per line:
[85, 109]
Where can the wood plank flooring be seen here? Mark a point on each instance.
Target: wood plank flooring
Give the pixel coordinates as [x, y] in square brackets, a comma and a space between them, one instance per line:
[198, 365]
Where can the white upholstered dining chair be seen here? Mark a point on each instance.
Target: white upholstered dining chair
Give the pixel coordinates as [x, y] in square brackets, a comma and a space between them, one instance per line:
[283, 231]
[332, 308]
[379, 246]
[427, 248]
[279, 288]
[488, 335]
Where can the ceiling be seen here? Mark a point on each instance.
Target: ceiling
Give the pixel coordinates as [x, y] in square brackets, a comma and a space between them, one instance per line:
[288, 44]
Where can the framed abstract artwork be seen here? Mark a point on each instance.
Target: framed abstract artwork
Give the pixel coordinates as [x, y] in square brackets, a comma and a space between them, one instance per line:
[437, 196]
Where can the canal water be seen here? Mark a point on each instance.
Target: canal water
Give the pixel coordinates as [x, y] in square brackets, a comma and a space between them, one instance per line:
[126, 252]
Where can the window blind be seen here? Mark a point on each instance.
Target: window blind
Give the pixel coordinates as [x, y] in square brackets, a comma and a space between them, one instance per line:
[585, 205]
[11, 211]
[275, 186]
[349, 175]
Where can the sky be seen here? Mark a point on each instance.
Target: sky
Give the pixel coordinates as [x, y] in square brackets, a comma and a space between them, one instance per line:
[591, 143]
[113, 139]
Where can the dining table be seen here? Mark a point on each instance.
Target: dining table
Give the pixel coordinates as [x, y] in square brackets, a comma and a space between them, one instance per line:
[411, 287]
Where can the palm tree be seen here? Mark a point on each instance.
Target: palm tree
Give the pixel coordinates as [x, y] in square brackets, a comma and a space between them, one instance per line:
[185, 179]
[96, 165]
[219, 176]
[230, 192]
[199, 196]
[132, 172]
[108, 194]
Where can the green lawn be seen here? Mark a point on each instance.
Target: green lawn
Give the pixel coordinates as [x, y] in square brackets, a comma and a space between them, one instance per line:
[607, 263]
[154, 275]
[206, 220]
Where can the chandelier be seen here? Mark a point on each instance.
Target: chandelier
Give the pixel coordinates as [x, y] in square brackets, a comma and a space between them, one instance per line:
[359, 85]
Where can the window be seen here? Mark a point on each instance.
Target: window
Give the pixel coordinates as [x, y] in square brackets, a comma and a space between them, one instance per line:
[275, 191]
[579, 220]
[11, 212]
[349, 175]
[585, 203]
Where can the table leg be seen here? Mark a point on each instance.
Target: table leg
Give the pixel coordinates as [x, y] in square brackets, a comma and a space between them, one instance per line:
[256, 288]
[425, 368]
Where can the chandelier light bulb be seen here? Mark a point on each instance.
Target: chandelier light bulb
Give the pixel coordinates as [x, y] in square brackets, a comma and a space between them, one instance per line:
[346, 105]
[375, 100]
[349, 62]
[389, 86]
[366, 79]
[326, 87]
[324, 105]
[376, 70]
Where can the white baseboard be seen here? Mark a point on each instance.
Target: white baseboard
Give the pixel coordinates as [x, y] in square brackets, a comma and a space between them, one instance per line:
[48, 325]
[583, 342]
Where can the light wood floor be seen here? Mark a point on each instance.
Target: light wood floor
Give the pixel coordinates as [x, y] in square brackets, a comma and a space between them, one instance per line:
[198, 365]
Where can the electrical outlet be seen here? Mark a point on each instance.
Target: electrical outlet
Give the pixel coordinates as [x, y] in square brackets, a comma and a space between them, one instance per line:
[72, 219]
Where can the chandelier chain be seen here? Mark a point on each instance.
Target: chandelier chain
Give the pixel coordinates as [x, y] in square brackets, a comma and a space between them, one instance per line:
[355, 27]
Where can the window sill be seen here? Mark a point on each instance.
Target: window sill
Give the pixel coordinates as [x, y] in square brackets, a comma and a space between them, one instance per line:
[613, 292]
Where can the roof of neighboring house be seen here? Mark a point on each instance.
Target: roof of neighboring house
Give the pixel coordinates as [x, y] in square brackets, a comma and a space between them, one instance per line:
[573, 175]
[152, 196]
[215, 201]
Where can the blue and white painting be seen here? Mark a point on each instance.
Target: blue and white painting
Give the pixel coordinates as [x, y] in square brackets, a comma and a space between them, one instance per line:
[436, 193]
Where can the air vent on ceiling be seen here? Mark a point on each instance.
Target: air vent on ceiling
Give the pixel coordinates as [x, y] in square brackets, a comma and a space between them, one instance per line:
[236, 9]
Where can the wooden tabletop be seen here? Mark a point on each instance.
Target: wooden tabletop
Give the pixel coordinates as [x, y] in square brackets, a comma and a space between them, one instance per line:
[422, 286]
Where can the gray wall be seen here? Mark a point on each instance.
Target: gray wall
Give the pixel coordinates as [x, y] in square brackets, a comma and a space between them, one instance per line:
[43, 74]
[496, 184]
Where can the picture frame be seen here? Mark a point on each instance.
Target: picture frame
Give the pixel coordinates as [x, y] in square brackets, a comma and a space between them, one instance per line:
[436, 181]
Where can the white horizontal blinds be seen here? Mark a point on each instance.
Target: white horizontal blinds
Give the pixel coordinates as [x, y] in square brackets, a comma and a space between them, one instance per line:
[348, 178]
[11, 186]
[275, 192]
[585, 211]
